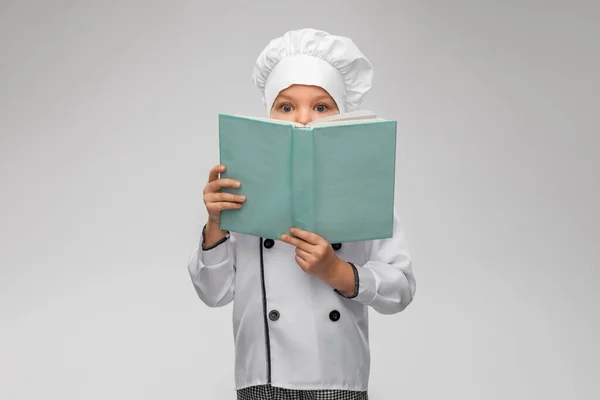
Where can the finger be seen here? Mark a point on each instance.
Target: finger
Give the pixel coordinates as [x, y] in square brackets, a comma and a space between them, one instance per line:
[217, 185]
[214, 172]
[223, 196]
[302, 263]
[224, 205]
[306, 236]
[303, 254]
[299, 243]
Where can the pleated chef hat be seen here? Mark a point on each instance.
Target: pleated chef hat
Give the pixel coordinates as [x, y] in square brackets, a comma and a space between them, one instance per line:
[317, 58]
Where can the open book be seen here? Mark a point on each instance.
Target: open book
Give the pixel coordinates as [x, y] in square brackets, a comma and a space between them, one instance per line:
[333, 177]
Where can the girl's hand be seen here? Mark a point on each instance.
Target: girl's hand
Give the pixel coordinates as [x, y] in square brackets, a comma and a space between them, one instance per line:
[313, 254]
[215, 200]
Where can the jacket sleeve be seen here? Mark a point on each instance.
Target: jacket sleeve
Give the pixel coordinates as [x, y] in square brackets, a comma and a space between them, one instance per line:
[212, 270]
[386, 281]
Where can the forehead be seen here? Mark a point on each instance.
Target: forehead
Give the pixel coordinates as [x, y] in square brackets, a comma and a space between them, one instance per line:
[304, 91]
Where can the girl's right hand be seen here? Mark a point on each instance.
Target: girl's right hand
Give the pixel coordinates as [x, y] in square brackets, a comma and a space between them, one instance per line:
[215, 200]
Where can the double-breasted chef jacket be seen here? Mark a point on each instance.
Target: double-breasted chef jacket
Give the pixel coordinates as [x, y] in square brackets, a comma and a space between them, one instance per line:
[292, 329]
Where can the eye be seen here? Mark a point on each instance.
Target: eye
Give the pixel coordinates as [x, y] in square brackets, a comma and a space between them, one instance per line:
[321, 108]
[286, 108]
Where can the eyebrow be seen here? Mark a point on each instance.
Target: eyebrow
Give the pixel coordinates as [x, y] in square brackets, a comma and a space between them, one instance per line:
[283, 96]
[321, 97]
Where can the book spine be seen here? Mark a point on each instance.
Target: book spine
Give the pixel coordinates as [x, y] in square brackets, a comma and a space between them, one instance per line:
[303, 198]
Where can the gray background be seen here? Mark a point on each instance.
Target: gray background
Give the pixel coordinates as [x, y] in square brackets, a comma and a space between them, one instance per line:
[108, 121]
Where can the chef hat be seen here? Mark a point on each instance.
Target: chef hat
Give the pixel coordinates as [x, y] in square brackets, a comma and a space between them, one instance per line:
[317, 58]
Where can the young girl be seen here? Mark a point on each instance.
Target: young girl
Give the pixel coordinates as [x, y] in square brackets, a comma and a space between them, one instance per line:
[300, 304]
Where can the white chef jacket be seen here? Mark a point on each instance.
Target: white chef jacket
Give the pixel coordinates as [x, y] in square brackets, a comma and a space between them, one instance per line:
[292, 329]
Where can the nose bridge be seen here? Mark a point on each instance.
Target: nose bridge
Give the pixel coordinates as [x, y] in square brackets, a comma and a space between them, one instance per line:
[303, 115]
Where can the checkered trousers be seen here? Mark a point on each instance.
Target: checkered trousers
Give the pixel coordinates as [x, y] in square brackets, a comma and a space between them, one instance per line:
[268, 392]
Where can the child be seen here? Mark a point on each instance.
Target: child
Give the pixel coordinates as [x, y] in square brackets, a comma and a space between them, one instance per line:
[300, 304]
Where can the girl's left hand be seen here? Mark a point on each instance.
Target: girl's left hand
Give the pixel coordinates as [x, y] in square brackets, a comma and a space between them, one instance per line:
[313, 253]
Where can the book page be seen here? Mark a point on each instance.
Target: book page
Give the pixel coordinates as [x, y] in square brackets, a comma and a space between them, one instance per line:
[352, 117]
[265, 119]
[357, 116]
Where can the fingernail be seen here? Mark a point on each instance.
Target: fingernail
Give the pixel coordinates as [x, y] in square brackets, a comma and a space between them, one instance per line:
[238, 184]
[243, 198]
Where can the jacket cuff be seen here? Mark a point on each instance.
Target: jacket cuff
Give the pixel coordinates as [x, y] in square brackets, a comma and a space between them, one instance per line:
[214, 245]
[356, 283]
[215, 253]
[368, 286]
[365, 287]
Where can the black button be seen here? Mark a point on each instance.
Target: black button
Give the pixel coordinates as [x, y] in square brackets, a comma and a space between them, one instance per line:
[334, 315]
[274, 315]
[336, 246]
[269, 243]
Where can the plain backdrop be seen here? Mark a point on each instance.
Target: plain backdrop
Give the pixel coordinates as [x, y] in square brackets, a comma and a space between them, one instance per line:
[108, 123]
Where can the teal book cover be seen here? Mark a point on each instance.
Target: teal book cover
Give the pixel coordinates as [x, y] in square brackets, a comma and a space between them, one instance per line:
[333, 177]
